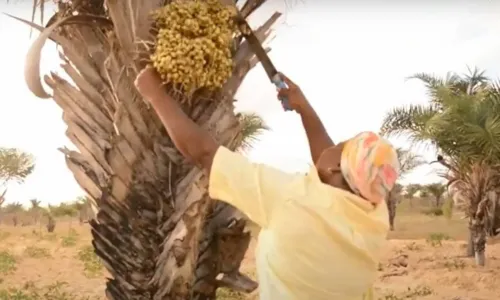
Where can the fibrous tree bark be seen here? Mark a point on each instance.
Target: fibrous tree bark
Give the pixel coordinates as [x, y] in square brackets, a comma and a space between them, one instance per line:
[478, 186]
[156, 230]
[391, 207]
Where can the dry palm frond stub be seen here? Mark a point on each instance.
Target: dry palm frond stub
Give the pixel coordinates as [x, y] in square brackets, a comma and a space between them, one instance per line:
[193, 44]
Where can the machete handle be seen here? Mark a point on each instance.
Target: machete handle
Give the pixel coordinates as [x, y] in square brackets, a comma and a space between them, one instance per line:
[280, 84]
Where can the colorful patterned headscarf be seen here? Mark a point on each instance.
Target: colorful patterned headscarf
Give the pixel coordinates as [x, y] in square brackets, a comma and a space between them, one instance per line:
[370, 166]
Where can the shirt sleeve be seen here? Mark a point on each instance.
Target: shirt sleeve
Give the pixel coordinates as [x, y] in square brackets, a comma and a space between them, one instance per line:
[254, 189]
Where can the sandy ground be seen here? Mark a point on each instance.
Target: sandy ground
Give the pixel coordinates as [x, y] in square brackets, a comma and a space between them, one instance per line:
[424, 259]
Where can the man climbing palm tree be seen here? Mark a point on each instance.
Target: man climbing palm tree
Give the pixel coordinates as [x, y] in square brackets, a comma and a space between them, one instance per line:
[321, 232]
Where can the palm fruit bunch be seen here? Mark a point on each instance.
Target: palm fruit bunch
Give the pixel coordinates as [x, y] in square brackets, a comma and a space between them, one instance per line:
[193, 43]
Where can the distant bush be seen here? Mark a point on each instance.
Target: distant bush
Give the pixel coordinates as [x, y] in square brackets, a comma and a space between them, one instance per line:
[454, 264]
[436, 238]
[70, 239]
[432, 211]
[63, 209]
[37, 252]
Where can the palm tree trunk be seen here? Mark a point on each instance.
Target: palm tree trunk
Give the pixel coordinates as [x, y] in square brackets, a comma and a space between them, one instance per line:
[477, 227]
[222, 248]
[470, 243]
[479, 240]
[151, 230]
[391, 206]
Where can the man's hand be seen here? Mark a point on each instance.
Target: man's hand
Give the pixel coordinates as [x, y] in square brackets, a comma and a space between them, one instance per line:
[149, 84]
[191, 140]
[296, 99]
[315, 131]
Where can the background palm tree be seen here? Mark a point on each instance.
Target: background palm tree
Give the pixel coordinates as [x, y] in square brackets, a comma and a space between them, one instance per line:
[13, 209]
[35, 210]
[437, 191]
[408, 162]
[156, 230]
[411, 190]
[462, 120]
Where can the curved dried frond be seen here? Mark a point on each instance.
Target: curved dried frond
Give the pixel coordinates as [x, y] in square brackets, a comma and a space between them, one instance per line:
[32, 63]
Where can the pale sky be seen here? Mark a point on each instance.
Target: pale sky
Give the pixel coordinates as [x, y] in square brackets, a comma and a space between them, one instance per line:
[351, 61]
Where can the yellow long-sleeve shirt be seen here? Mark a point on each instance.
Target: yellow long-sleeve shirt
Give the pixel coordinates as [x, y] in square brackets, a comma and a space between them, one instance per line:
[316, 242]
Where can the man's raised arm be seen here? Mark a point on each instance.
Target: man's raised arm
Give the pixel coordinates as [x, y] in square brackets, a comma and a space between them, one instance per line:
[191, 140]
[318, 137]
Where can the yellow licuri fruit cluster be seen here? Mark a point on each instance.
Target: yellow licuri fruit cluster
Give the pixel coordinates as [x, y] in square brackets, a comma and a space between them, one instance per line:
[193, 47]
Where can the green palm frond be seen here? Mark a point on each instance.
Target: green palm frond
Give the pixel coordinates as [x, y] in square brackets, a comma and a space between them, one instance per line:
[462, 118]
[475, 124]
[493, 92]
[410, 121]
[472, 81]
[251, 127]
[433, 83]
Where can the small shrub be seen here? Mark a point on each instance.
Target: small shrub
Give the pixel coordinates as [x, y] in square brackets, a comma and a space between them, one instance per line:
[454, 264]
[29, 291]
[226, 294]
[91, 262]
[50, 237]
[70, 239]
[436, 239]
[410, 293]
[391, 296]
[418, 291]
[432, 211]
[7, 262]
[413, 247]
[37, 252]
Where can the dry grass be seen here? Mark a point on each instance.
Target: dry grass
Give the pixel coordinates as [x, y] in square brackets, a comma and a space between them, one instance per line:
[424, 260]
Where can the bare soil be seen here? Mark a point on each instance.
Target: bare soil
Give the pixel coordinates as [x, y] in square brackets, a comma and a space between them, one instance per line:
[424, 260]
